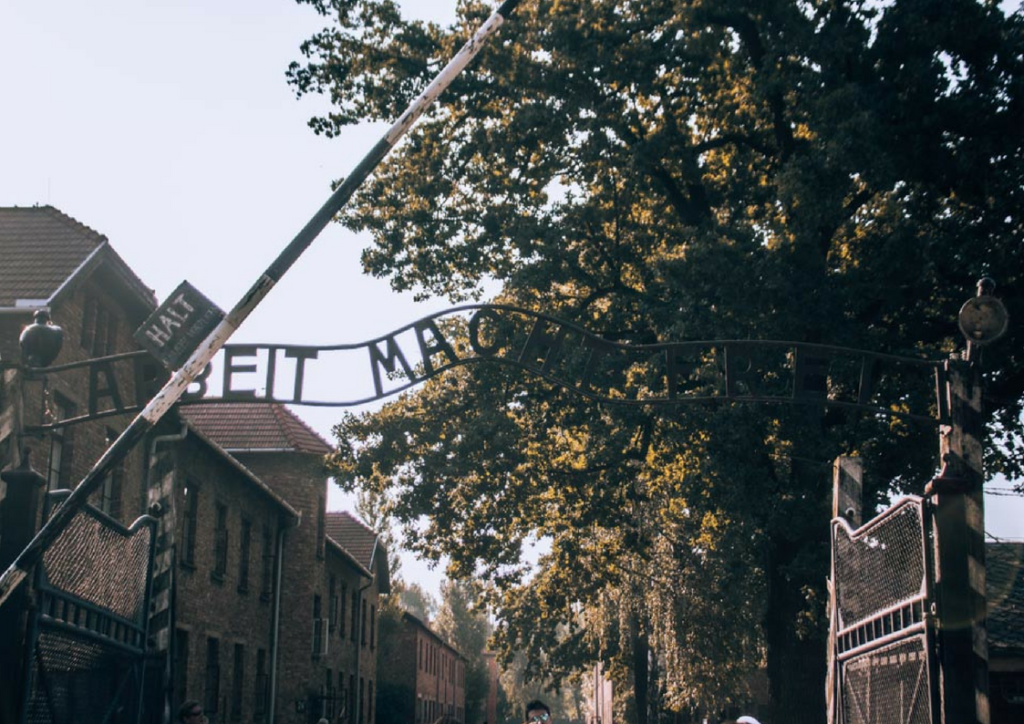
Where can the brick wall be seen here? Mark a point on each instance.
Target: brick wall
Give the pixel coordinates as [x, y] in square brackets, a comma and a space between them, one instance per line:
[211, 606]
[309, 565]
[419, 665]
[83, 444]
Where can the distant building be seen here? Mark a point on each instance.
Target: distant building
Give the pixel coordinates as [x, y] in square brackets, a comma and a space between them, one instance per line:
[217, 587]
[1004, 568]
[426, 676]
[335, 566]
[491, 706]
[257, 610]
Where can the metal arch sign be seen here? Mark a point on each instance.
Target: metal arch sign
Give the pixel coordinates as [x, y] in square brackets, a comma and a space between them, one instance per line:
[562, 352]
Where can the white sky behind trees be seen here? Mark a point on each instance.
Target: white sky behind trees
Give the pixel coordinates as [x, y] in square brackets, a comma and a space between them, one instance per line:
[169, 128]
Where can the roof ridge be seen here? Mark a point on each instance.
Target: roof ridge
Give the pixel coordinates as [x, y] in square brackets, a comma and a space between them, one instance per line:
[355, 520]
[69, 220]
[288, 420]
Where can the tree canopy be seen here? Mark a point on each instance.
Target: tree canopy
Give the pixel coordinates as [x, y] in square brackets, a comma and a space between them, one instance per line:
[834, 172]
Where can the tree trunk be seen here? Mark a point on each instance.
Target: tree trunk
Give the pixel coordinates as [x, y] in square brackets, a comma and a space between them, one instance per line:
[796, 666]
[641, 650]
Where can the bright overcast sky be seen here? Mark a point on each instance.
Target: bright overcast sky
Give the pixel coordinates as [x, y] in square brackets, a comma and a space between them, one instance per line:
[169, 128]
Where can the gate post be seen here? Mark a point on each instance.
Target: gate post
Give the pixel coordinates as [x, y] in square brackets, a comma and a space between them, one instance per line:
[848, 503]
[848, 490]
[18, 511]
[959, 553]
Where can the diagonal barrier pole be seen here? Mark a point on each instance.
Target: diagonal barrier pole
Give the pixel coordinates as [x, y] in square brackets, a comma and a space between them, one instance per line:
[211, 344]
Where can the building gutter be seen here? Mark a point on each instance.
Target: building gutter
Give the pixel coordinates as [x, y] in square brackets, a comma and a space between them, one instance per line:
[171, 592]
[87, 263]
[356, 715]
[275, 628]
[234, 462]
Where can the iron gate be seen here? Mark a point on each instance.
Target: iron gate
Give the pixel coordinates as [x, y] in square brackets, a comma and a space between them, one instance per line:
[87, 635]
[883, 669]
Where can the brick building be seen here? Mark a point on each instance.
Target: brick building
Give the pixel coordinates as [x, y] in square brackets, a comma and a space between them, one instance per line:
[252, 609]
[427, 676]
[491, 705]
[216, 579]
[335, 567]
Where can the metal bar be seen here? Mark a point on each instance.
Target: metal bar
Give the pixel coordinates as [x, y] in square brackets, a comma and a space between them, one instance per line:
[216, 339]
[907, 633]
[59, 596]
[894, 509]
[882, 613]
[42, 371]
[141, 662]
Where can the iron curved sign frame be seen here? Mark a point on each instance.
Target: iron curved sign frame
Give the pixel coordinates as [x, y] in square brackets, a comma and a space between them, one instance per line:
[561, 352]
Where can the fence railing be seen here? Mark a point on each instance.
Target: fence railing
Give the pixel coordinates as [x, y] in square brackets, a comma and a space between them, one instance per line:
[882, 638]
[87, 634]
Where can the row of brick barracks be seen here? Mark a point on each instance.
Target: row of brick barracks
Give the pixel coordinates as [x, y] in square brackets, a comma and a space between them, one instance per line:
[262, 605]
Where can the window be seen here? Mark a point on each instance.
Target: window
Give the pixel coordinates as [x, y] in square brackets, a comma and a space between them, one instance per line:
[362, 633]
[369, 700]
[189, 525]
[267, 569]
[355, 614]
[320, 531]
[362, 700]
[351, 697]
[237, 674]
[259, 705]
[99, 329]
[180, 665]
[220, 542]
[110, 492]
[212, 691]
[243, 556]
[328, 694]
[373, 624]
[344, 604]
[332, 604]
[319, 628]
[88, 323]
[60, 443]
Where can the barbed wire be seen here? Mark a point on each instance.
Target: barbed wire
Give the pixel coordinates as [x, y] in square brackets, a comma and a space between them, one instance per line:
[999, 539]
[1005, 492]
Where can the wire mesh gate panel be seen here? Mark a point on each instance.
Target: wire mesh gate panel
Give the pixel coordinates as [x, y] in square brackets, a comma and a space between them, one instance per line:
[88, 632]
[882, 657]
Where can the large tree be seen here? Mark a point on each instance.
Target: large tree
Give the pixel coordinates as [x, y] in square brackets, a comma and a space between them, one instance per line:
[834, 172]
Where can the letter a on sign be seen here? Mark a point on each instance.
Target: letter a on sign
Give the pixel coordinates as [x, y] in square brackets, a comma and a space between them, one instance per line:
[178, 325]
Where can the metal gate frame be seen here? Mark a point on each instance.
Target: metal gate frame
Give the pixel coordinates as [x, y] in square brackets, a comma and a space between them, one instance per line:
[118, 639]
[899, 632]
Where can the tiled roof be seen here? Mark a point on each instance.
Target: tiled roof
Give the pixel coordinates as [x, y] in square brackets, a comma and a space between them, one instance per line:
[351, 534]
[40, 248]
[198, 433]
[254, 427]
[409, 618]
[1004, 574]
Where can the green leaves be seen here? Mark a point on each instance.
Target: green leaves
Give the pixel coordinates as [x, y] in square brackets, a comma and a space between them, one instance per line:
[660, 171]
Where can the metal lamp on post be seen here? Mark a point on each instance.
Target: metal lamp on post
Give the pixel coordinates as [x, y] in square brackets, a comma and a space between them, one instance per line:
[17, 526]
[40, 344]
[959, 520]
